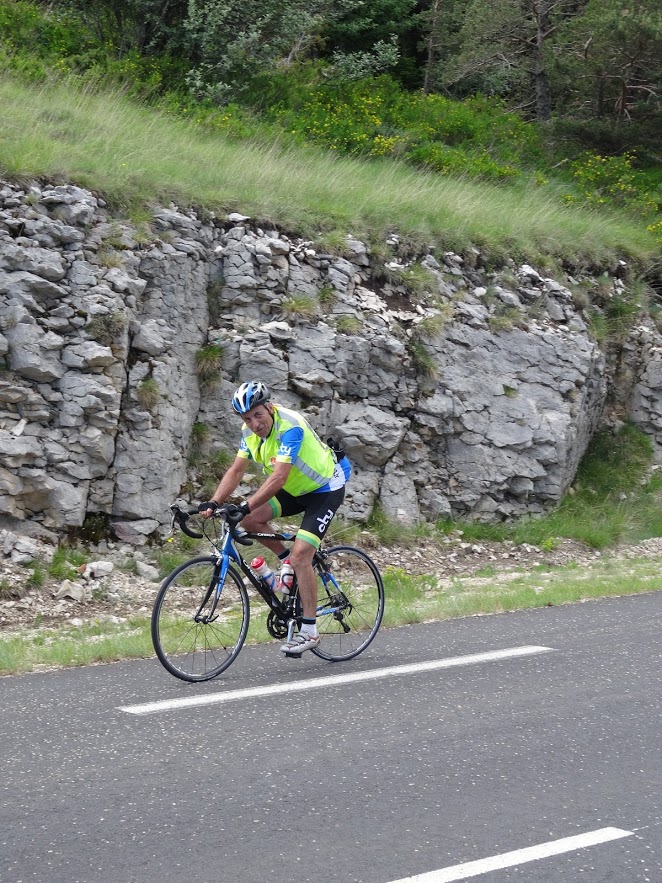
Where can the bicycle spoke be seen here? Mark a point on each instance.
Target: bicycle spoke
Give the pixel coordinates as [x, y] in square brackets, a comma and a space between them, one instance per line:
[189, 647]
[356, 594]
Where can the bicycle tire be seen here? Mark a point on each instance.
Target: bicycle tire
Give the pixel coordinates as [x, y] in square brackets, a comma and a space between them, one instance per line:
[197, 651]
[360, 590]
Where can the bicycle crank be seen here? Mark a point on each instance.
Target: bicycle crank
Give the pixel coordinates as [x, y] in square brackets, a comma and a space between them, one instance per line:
[276, 626]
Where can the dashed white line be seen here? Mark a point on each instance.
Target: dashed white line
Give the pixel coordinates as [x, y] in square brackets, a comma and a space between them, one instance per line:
[518, 857]
[333, 681]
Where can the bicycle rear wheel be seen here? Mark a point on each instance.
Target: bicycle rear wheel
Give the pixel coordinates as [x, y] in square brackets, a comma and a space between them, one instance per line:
[191, 645]
[350, 603]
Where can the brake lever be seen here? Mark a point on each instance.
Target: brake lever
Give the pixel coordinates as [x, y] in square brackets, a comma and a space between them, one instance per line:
[174, 512]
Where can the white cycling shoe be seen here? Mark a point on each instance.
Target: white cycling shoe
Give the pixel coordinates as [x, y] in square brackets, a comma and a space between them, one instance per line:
[300, 643]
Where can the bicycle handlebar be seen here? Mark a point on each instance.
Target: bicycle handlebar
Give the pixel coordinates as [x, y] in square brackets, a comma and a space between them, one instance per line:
[181, 516]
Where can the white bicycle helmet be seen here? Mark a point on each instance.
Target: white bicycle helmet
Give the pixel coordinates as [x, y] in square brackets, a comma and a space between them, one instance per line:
[250, 395]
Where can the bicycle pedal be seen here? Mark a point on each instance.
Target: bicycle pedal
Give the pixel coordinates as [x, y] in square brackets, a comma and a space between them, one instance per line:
[292, 655]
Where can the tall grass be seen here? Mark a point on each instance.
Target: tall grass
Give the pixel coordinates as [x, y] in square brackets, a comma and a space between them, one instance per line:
[136, 155]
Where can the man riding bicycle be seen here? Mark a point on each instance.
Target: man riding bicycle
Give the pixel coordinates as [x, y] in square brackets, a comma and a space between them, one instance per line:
[303, 475]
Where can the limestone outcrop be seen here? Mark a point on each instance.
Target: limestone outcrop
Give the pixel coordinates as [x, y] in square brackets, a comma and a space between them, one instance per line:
[456, 390]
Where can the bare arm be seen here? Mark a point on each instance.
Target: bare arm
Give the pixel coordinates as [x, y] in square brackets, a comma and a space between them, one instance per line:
[230, 480]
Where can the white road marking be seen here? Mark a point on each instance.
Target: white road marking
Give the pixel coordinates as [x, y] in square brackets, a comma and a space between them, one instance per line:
[333, 681]
[518, 857]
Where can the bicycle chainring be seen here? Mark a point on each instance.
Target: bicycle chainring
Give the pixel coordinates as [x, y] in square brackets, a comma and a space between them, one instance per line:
[276, 625]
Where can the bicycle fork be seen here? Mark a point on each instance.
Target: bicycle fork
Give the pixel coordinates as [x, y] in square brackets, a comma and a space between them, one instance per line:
[215, 586]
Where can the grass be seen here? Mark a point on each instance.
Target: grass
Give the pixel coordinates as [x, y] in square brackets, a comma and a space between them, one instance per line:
[137, 156]
[349, 325]
[419, 599]
[66, 562]
[148, 393]
[208, 362]
[422, 360]
[300, 306]
[69, 645]
[409, 599]
[615, 498]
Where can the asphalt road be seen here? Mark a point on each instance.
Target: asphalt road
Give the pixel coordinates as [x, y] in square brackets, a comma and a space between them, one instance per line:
[373, 780]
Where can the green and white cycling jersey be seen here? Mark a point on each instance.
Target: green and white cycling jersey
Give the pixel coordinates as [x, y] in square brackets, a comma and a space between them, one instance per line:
[292, 440]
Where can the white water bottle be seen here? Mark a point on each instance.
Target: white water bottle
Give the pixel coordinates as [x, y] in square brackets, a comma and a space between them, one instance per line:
[262, 569]
[286, 577]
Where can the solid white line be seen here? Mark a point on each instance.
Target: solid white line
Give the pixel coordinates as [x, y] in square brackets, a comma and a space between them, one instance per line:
[518, 857]
[333, 681]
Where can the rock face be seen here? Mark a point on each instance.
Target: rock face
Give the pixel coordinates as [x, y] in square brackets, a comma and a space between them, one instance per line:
[455, 391]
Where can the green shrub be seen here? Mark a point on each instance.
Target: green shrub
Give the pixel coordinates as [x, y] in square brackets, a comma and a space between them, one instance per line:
[33, 40]
[377, 117]
[95, 528]
[602, 180]
[455, 161]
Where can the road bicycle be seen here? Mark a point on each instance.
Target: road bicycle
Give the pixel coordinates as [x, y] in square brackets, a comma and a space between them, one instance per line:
[202, 611]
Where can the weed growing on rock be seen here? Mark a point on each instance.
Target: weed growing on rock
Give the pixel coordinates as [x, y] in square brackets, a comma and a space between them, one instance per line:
[208, 365]
[300, 306]
[106, 328]
[504, 319]
[36, 576]
[109, 258]
[349, 325]
[215, 301]
[148, 393]
[65, 563]
[432, 325]
[327, 296]
[422, 360]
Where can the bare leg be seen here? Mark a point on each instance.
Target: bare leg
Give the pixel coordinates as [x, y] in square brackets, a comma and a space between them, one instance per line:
[258, 522]
[302, 562]
[301, 557]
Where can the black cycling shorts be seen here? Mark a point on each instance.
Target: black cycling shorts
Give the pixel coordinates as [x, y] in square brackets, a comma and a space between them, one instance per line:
[318, 511]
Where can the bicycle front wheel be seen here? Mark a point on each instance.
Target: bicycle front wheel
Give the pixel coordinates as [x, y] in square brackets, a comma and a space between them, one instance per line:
[350, 603]
[191, 641]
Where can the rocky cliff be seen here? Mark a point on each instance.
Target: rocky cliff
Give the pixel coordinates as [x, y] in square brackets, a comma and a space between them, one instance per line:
[456, 390]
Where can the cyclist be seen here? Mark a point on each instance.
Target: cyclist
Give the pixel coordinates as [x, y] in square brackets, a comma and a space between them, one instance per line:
[303, 475]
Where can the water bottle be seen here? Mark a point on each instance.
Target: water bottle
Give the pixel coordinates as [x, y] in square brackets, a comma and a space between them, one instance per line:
[286, 577]
[262, 569]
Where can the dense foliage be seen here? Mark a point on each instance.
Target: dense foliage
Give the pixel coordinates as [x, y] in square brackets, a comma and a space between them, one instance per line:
[559, 92]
